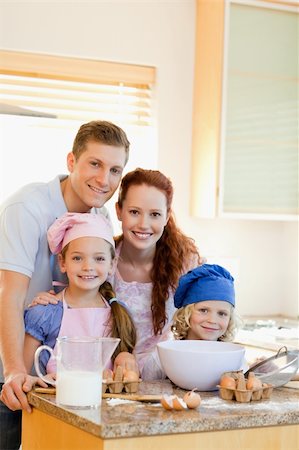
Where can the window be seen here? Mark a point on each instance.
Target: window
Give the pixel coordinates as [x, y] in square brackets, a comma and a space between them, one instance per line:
[45, 99]
[245, 139]
[260, 145]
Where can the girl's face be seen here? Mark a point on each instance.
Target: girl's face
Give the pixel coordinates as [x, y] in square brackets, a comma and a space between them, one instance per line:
[87, 262]
[209, 320]
[143, 216]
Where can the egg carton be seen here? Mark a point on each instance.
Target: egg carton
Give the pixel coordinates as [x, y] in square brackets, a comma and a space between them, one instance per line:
[118, 384]
[244, 395]
[116, 387]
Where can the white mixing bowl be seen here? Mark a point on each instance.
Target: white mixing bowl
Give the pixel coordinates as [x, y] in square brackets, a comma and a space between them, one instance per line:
[199, 364]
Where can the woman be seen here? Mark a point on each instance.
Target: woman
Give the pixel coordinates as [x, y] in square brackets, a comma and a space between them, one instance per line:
[152, 255]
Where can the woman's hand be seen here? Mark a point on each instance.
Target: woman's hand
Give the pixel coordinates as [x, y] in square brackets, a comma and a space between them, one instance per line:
[44, 298]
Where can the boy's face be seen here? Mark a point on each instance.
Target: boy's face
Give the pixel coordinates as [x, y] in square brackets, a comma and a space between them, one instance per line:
[209, 320]
[94, 176]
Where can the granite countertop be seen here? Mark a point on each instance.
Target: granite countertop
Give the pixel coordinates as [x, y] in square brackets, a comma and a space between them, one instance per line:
[118, 418]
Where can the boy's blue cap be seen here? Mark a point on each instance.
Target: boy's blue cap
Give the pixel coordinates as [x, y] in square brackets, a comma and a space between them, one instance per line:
[206, 282]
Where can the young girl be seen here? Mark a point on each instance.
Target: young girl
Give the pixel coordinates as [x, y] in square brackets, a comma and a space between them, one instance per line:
[205, 299]
[85, 247]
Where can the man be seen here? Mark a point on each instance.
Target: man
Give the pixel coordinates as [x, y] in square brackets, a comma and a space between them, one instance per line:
[96, 162]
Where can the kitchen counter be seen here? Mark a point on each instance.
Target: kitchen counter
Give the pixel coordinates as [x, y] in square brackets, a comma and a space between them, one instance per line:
[137, 424]
[270, 333]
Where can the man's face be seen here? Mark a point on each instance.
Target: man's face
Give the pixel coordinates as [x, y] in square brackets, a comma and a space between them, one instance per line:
[94, 176]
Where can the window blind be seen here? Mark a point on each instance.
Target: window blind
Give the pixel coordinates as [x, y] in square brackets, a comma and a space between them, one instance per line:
[69, 88]
[260, 162]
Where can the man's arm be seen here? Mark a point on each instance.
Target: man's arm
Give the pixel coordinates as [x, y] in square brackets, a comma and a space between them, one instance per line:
[30, 346]
[13, 288]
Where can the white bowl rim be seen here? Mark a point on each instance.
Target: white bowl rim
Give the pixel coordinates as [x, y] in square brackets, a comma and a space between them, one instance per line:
[167, 345]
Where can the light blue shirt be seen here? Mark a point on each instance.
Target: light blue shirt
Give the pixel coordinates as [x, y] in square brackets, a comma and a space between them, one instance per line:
[43, 323]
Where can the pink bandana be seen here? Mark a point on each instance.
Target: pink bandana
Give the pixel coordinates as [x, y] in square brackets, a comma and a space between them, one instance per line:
[71, 226]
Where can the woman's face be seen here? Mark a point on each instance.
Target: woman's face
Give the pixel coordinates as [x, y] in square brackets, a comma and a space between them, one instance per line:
[143, 216]
[209, 320]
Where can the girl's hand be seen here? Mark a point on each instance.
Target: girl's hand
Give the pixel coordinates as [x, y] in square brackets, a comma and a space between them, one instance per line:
[44, 298]
[126, 361]
[50, 377]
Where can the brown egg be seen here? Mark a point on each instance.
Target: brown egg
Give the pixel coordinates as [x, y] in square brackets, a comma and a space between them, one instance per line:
[108, 375]
[241, 382]
[170, 402]
[178, 403]
[130, 375]
[253, 383]
[228, 382]
[192, 399]
[166, 402]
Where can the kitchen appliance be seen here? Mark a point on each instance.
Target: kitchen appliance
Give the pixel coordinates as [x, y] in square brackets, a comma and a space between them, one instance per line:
[278, 369]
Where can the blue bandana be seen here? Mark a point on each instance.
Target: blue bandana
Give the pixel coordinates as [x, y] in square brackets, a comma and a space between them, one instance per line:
[206, 282]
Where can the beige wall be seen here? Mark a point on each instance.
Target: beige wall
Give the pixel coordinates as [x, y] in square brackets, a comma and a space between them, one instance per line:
[262, 255]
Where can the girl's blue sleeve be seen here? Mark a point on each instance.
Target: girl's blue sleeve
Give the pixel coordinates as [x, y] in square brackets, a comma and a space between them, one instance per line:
[43, 322]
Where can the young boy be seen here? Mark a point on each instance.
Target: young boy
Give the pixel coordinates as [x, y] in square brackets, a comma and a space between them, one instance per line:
[205, 299]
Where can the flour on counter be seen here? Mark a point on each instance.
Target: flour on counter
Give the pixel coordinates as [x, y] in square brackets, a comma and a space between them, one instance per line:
[267, 405]
[118, 401]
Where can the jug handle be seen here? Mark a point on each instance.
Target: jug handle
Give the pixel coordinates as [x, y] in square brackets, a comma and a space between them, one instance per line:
[36, 363]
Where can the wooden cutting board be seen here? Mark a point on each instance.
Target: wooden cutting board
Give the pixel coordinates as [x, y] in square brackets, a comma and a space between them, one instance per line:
[134, 397]
[49, 390]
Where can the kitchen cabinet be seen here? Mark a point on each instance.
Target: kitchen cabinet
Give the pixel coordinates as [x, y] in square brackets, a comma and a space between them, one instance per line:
[215, 424]
[245, 119]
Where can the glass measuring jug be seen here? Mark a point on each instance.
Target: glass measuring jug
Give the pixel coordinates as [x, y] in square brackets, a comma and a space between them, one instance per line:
[80, 363]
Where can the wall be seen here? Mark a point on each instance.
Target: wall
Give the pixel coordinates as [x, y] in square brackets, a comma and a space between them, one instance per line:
[262, 255]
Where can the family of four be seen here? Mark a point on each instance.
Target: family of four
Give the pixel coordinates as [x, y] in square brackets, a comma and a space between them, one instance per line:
[138, 286]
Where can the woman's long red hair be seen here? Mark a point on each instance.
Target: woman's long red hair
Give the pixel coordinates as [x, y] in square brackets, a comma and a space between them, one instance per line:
[175, 252]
